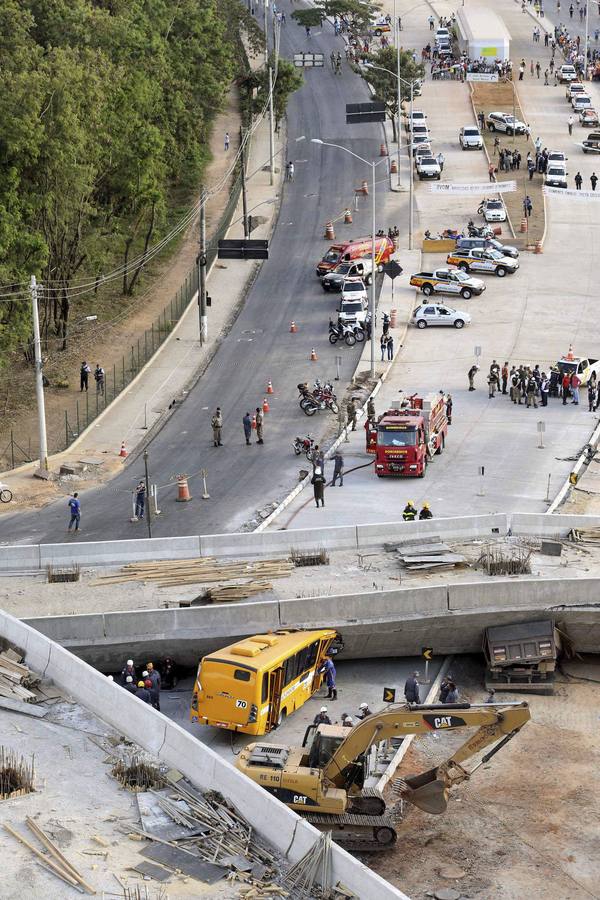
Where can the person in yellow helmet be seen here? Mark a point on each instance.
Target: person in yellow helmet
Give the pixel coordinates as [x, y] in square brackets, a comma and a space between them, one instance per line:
[410, 512]
[426, 512]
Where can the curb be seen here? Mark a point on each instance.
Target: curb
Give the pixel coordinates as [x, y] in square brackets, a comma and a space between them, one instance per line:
[575, 472]
[404, 746]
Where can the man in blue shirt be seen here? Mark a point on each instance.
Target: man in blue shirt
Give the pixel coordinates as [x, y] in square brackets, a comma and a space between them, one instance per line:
[328, 669]
[75, 507]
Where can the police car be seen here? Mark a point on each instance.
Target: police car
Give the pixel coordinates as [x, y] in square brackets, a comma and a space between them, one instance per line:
[483, 261]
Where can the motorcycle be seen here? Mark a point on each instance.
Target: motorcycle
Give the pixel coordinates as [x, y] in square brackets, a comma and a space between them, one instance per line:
[480, 231]
[346, 333]
[321, 398]
[304, 445]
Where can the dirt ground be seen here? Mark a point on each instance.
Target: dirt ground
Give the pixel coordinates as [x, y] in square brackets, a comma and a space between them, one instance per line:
[119, 325]
[489, 97]
[527, 825]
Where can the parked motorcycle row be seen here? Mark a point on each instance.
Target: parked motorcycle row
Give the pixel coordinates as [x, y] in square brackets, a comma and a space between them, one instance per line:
[321, 397]
[350, 333]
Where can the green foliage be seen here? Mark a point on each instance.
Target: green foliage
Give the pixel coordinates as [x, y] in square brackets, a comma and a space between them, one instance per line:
[106, 108]
[289, 79]
[385, 84]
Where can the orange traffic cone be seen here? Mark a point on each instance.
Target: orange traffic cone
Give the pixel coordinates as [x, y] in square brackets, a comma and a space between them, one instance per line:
[313, 355]
[293, 327]
[254, 422]
[348, 217]
[365, 188]
[266, 407]
[538, 247]
[383, 150]
[123, 451]
[269, 388]
[569, 355]
[523, 225]
[183, 491]
[394, 167]
[329, 232]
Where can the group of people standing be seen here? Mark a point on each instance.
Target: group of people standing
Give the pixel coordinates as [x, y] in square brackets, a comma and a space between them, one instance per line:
[99, 377]
[526, 385]
[147, 686]
[249, 424]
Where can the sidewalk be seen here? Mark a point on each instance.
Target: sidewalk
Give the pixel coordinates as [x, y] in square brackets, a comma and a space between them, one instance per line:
[179, 362]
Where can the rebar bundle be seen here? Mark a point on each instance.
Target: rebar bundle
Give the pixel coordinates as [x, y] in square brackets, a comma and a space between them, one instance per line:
[137, 775]
[17, 775]
[310, 876]
[497, 561]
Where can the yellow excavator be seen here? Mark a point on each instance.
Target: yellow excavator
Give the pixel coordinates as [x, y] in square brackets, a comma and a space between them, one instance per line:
[324, 779]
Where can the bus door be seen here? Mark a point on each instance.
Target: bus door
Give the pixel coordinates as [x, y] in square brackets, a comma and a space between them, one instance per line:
[275, 691]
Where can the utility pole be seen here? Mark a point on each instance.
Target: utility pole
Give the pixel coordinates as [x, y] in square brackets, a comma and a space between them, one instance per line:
[399, 100]
[587, 38]
[271, 130]
[411, 167]
[266, 28]
[148, 504]
[373, 227]
[39, 378]
[202, 271]
[244, 197]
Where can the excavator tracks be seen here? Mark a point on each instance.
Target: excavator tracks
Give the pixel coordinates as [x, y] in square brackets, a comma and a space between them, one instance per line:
[364, 834]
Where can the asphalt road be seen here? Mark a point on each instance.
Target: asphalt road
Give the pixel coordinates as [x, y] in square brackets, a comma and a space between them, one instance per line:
[259, 347]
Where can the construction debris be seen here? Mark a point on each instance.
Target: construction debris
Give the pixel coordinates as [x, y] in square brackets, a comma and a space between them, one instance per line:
[65, 574]
[309, 557]
[179, 572]
[17, 775]
[236, 592]
[59, 865]
[433, 555]
[585, 535]
[497, 560]
[16, 678]
[310, 876]
[136, 775]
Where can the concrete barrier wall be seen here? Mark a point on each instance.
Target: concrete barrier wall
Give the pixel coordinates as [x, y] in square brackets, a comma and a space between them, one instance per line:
[380, 606]
[107, 553]
[448, 529]
[157, 734]
[556, 525]
[341, 537]
[534, 593]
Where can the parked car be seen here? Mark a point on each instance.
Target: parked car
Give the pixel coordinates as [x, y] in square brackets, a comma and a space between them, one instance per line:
[581, 101]
[556, 176]
[354, 289]
[421, 140]
[481, 243]
[482, 261]
[499, 121]
[428, 315]
[448, 281]
[428, 167]
[469, 138]
[567, 73]
[493, 210]
[419, 129]
[422, 150]
[588, 117]
[574, 87]
[592, 143]
[359, 268]
[555, 156]
[353, 311]
[417, 117]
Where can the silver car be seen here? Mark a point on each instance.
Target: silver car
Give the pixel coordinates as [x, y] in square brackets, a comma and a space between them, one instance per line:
[435, 314]
[469, 138]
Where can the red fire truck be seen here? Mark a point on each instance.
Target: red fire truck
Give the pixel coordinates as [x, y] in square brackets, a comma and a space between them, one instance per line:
[409, 434]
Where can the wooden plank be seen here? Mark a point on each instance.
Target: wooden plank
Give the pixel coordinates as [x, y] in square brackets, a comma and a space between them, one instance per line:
[26, 709]
[62, 860]
[58, 870]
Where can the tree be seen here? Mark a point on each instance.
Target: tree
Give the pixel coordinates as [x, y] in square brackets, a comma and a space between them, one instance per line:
[288, 80]
[385, 83]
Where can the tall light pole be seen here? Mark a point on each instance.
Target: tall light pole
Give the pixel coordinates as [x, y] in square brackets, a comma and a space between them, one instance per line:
[587, 37]
[39, 377]
[373, 233]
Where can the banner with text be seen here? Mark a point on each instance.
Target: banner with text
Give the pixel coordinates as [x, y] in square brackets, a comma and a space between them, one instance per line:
[482, 76]
[486, 188]
[569, 193]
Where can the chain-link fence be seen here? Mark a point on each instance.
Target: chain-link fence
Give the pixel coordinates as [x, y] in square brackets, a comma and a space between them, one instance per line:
[90, 403]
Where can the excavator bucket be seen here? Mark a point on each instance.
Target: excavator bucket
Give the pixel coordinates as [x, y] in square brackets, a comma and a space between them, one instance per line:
[426, 791]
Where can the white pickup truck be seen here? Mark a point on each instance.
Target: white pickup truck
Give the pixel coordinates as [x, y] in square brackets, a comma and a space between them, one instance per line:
[579, 365]
[428, 167]
[448, 281]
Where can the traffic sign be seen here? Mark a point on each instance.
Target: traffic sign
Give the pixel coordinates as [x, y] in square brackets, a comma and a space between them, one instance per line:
[427, 653]
[389, 695]
[359, 113]
[243, 249]
[308, 60]
[392, 269]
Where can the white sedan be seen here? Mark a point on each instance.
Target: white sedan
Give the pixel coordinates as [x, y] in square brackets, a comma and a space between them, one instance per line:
[354, 289]
[493, 210]
[435, 314]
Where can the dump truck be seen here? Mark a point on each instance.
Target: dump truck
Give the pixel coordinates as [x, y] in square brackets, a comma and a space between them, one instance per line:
[410, 434]
[522, 657]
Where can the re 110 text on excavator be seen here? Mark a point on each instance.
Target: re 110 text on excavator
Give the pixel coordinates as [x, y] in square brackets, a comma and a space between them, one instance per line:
[324, 779]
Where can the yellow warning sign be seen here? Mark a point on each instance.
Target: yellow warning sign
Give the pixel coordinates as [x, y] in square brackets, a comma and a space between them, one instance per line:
[389, 695]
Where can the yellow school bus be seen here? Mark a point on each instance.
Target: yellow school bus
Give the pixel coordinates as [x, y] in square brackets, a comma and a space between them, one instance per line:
[253, 685]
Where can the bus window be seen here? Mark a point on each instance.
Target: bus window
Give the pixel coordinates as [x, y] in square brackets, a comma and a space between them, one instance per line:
[241, 675]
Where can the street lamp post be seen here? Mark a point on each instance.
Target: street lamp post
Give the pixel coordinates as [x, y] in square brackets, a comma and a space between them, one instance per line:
[373, 165]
